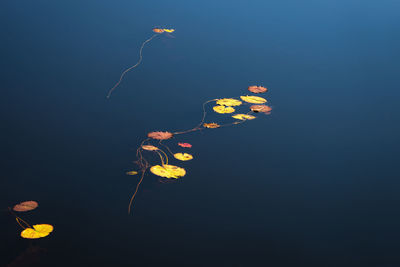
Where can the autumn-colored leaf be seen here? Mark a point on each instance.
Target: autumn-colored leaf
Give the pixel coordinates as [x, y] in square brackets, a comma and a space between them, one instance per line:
[257, 89]
[169, 30]
[38, 231]
[160, 135]
[187, 145]
[223, 109]
[131, 172]
[149, 147]
[243, 117]
[253, 99]
[211, 125]
[229, 102]
[183, 156]
[158, 30]
[26, 206]
[261, 108]
[168, 171]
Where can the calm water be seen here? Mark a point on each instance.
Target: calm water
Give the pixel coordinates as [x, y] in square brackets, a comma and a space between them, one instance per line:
[316, 183]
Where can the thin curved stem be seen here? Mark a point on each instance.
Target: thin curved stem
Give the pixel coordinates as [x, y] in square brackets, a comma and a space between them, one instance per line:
[169, 150]
[19, 220]
[202, 119]
[132, 67]
[162, 161]
[166, 157]
[136, 190]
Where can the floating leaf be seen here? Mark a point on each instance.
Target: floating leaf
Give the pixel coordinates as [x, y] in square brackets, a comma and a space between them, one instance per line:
[131, 173]
[223, 109]
[168, 171]
[243, 117]
[158, 30]
[26, 206]
[257, 89]
[38, 231]
[169, 30]
[160, 135]
[229, 102]
[183, 156]
[211, 125]
[261, 108]
[149, 147]
[187, 145]
[253, 99]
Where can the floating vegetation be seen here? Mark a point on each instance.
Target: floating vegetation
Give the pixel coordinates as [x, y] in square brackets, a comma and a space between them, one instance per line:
[37, 231]
[211, 125]
[223, 109]
[243, 117]
[221, 105]
[261, 108]
[26, 206]
[183, 156]
[28, 231]
[257, 89]
[229, 102]
[253, 99]
[160, 135]
[168, 171]
[186, 145]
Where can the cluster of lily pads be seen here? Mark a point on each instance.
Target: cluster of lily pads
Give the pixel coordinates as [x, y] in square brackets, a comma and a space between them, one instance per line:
[223, 106]
[34, 231]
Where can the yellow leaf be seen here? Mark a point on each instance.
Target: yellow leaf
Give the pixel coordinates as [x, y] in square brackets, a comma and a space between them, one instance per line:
[38, 231]
[229, 102]
[223, 109]
[253, 99]
[168, 171]
[131, 173]
[243, 117]
[183, 156]
[149, 147]
[169, 30]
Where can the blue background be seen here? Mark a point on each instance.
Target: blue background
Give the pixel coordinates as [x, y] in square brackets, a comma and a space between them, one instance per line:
[316, 183]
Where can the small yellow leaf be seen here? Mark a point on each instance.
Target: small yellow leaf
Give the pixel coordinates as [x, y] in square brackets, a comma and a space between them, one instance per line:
[243, 117]
[229, 102]
[183, 156]
[131, 173]
[223, 109]
[149, 147]
[38, 231]
[168, 171]
[253, 99]
[169, 30]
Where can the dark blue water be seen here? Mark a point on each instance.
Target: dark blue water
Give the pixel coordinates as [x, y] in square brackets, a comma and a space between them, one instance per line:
[316, 183]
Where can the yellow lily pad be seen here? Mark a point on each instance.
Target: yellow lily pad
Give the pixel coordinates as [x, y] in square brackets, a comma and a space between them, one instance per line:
[168, 171]
[183, 156]
[149, 147]
[229, 102]
[223, 109]
[38, 231]
[253, 99]
[243, 117]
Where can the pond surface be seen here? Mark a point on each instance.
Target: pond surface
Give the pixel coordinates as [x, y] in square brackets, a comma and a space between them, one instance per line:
[315, 183]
